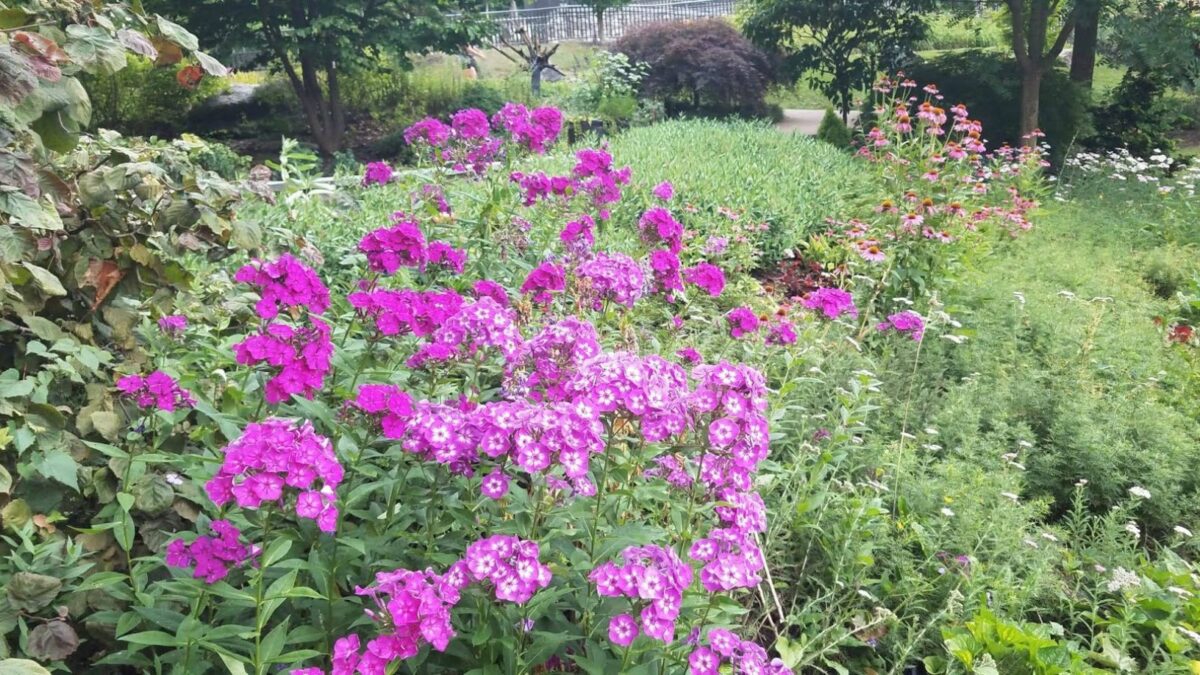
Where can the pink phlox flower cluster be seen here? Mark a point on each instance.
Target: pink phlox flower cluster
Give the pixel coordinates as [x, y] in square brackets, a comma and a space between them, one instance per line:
[665, 267]
[534, 130]
[689, 355]
[470, 123]
[664, 191]
[486, 288]
[544, 281]
[406, 311]
[648, 388]
[415, 609]
[734, 398]
[276, 454]
[615, 277]
[672, 469]
[545, 363]
[212, 556]
[579, 235]
[390, 248]
[742, 321]
[434, 194]
[731, 560]
[655, 578]
[285, 283]
[596, 176]
[429, 131]
[377, 173]
[157, 390]
[540, 437]
[476, 326]
[391, 406]
[658, 226]
[904, 322]
[444, 255]
[744, 657]
[717, 245]
[302, 355]
[510, 565]
[706, 276]
[539, 186]
[173, 326]
[782, 333]
[832, 302]
[441, 433]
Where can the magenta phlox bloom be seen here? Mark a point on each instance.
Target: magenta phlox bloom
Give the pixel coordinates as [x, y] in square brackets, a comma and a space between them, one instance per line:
[541, 437]
[272, 456]
[832, 302]
[665, 267]
[706, 276]
[406, 311]
[480, 325]
[579, 235]
[284, 284]
[539, 186]
[173, 326]
[544, 281]
[743, 656]
[470, 123]
[648, 388]
[390, 248]
[597, 177]
[908, 322]
[535, 131]
[664, 191]
[444, 255]
[545, 362]
[615, 277]
[510, 565]
[734, 399]
[655, 579]
[377, 173]
[415, 608]
[782, 333]
[486, 288]
[389, 405]
[157, 390]
[213, 557]
[658, 226]
[302, 356]
[742, 321]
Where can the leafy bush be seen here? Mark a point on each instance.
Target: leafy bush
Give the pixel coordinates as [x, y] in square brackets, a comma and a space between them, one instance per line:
[481, 97]
[990, 85]
[947, 30]
[703, 66]
[1137, 117]
[144, 99]
[833, 130]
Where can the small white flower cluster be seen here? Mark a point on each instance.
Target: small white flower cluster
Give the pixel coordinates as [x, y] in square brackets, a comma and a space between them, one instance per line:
[1121, 166]
[1123, 579]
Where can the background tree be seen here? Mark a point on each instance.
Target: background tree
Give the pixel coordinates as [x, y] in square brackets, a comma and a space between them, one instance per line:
[599, 8]
[1033, 23]
[839, 46]
[1087, 37]
[531, 54]
[316, 42]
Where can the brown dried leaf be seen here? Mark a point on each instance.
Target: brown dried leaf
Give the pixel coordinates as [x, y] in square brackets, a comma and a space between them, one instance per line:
[103, 275]
[189, 76]
[53, 641]
[40, 45]
[169, 53]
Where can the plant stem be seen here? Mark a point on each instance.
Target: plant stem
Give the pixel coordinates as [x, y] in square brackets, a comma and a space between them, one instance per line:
[259, 583]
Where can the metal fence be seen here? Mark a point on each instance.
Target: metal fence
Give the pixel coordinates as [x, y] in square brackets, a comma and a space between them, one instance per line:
[567, 23]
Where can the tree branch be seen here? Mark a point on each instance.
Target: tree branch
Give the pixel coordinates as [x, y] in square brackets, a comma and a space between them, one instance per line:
[1016, 9]
[1063, 35]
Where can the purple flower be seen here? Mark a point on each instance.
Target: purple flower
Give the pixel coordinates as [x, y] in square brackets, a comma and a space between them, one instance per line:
[615, 277]
[284, 284]
[156, 390]
[904, 322]
[390, 248]
[486, 288]
[545, 280]
[377, 173]
[173, 325]
[494, 485]
[659, 226]
[832, 302]
[445, 255]
[782, 333]
[213, 557]
[706, 276]
[664, 264]
[689, 355]
[742, 321]
[622, 630]
[470, 123]
[664, 191]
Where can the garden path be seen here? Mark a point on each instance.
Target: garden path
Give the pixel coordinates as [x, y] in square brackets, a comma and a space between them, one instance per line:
[806, 122]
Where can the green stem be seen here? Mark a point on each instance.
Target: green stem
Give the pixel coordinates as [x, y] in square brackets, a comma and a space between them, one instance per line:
[259, 583]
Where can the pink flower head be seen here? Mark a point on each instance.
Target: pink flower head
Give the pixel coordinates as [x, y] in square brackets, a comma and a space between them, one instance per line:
[301, 355]
[173, 325]
[578, 235]
[429, 131]
[664, 191]
[782, 333]
[415, 607]
[156, 390]
[406, 311]
[658, 226]
[904, 322]
[534, 131]
[615, 277]
[390, 248]
[832, 302]
[742, 655]
[655, 579]
[470, 123]
[545, 280]
[284, 284]
[622, 630]
[665, 267]
[689, 355]
[486, 288]
[870, 251]
[494, 485]
[213, 557]
[742, 321]
[510, 565]
[274, 455]
[476, 326]
[706, 276]
[377, 173]
[548, 360]
[388, 405]
[444, 255]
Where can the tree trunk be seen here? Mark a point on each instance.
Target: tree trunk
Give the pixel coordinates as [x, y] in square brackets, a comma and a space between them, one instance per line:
[535, 80]
[1083, 54]
[1031, 85]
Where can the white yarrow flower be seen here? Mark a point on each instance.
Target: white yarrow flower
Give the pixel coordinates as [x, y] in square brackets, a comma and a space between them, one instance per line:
[1122, 579]
[1139, 492]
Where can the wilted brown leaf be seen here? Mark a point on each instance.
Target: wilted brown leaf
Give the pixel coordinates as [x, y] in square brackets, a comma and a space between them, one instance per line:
[40, 45]
[189, 76]
[103, 275]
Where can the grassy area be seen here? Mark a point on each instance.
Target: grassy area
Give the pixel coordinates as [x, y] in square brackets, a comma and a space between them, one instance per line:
[799, 95]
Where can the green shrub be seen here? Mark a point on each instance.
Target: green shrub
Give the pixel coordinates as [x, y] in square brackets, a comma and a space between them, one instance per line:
[949, 31]
[989, 84]
[1137, 116]
[481, 96]
[145, 100]
[833, 130]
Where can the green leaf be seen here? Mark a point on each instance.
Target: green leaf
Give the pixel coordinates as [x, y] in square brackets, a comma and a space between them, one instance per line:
[94, 49]
[210, 65]
[235, 667]
[13, 18]
[108, 423]
[31, 592]
[154, 638]
[153, 494]
[45, 281]
[177, 34]
[59, 466]
[21, 667]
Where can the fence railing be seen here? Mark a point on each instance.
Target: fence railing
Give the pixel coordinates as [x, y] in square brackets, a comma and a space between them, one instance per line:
[568, 23]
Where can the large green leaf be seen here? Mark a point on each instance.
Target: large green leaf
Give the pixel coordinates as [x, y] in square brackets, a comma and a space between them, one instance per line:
[21, 667]
[32, 213]
[45, 280]
[31, 592]
[94, 49]
[59, 466]
[177, 34]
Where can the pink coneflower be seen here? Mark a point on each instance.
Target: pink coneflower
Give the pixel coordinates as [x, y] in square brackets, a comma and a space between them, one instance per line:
[870, 251]
[911, 221]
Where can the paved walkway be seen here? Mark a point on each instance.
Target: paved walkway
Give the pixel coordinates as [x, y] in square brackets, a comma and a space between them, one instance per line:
[805, 122]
